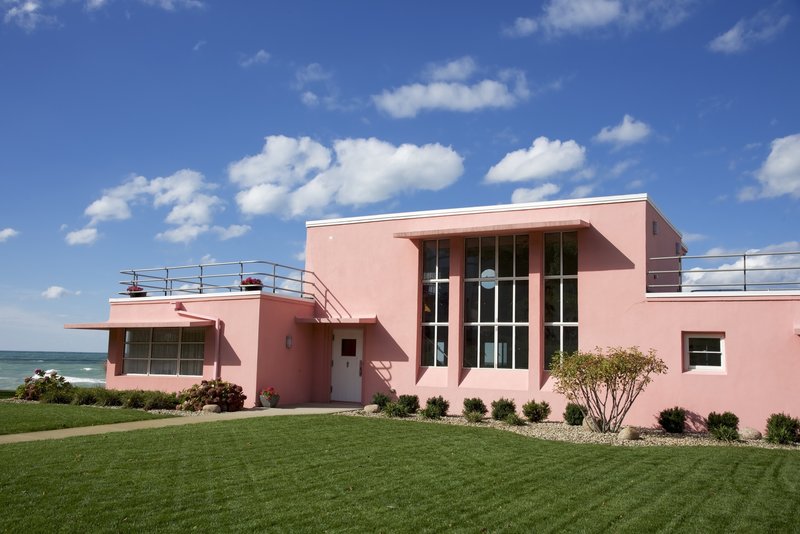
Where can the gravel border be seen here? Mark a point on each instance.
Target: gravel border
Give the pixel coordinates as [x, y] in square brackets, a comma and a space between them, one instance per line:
[558, 431]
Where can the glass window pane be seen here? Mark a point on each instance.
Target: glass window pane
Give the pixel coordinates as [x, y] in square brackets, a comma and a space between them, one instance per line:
[428, 303]
[487, 346]
[521, 347]
[192, 351]
[137, 335]
[570, 301]
[193, 335]
[137, 351]
[471, 258]
[166, 335]
[505, 301]
[487, 253]
[552, 254]
[521, 299]
[470, 346]
[552, 344]
[165, 350]
[504, 346]
[505, 256]
[441, 346]
[521, 253]
[704, 344]
[427, 345]
[487, 304]
[570, 339]
[428, 260]
[443, 302]
[134, 367]
[164, 367]
[444, 259]
[471, 302]
[192, 368]
[570, 253]
[552, 301]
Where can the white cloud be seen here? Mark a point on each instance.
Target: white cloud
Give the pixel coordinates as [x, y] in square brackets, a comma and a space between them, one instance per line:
[535, 194]
[198, 46]
[316, 87]
[7, 233]
[259, 58]
[91, 5]
[184, 233]
[293, 177]
[582, 191]
[300, 256]
[309, 98]
[453, 71]
[522, 27]
[628, 132]
[747, 33]
[86, 236]
[232, 231]
[543, 159]
[56, 292]
[174, 5]
[27, 14]
[577, 15]
[311, 73]
[689, 237]
[621, 167]
[780, 173]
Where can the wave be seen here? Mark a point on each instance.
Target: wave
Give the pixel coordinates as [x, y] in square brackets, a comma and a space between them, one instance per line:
[79, 380]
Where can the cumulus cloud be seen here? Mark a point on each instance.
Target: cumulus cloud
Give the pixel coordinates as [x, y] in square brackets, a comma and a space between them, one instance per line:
[622, 167]
[576, 15]
[777, 270]
[317, 88]
[298, 176]
[457, 70]
[232, 231]
[27, 14]
[534, 194]
[7, 233]
[747, 33]
[174, 5]
[582, 191]
[780, 174]
[522, 27]
[85, 236]
[259, 58]
[542, 160]
[56, 292]
[628, 132]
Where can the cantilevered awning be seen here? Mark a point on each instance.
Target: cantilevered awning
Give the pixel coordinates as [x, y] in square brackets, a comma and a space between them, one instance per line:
[497, 229]
[110, 325]
[367, 319]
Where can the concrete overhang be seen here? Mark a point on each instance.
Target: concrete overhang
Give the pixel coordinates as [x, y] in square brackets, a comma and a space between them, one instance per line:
[367, 319]
[111, 325]
[497, 229]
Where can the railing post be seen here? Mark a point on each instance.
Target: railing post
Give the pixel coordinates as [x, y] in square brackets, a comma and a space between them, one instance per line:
[167, 283]
[744, 269]
[201, 278]
[274, 280]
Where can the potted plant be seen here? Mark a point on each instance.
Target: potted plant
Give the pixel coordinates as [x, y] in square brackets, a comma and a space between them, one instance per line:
[251, 284]
[136, 291]
[269, 397]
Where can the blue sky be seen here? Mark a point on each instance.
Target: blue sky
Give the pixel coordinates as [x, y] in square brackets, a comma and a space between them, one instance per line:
[145, 133]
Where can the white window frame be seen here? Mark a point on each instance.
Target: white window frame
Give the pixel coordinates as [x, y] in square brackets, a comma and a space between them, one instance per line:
[180, 343]
[704, 368]
[437, 282]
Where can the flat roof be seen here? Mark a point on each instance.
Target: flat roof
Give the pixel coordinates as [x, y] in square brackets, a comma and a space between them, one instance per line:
[110, 325]
[495, 229]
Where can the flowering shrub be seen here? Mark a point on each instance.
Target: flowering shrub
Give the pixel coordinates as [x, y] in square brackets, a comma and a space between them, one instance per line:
[227, 396]
[251, 282]
[41, 383]
[269, 393]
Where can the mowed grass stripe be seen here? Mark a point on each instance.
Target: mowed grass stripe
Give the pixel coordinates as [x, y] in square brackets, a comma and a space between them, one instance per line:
[347, 474]
[16, 418]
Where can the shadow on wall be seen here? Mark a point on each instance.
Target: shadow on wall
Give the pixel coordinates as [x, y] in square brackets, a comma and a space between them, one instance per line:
[379, 369]
[327, 303]
[605, 255]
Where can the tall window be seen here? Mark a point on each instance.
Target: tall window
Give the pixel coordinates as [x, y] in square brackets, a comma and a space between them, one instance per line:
[435, 301]
[560, 294]
[164, 351]
[496, 302]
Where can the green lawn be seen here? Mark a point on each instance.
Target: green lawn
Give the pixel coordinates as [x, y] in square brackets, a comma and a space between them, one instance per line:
[32, 417]
[347, 474]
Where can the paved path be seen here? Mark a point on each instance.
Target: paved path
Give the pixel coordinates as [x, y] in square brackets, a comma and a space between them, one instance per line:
[301, 409]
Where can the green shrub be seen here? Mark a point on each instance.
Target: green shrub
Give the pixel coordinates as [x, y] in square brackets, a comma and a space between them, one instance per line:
[227, 396]
[431, 412]
[573, 415]
[673, 420]
[725, 419]
[110, 397]
[474, 417]
[411, 402]
[159, 400]
[474, 405]
[84, 396]
[725, 433]
[395, 409]
[40, 383]
[782, 428]
[502, 408]
[56, 396]
[133, 399]
[536, 412]
[439, 403]
[380, 399]
[514, 420]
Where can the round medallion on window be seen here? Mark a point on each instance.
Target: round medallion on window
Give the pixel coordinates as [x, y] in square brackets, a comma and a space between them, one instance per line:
[487, 279]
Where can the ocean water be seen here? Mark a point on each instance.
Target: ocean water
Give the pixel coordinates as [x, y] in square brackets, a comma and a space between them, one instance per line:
[82, 369]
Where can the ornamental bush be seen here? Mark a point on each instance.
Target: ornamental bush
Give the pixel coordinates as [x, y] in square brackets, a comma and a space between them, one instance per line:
[411, 402]
[716, 420]
[673, 420]
[435, 408]
[725, 433]
[536, 412]
[85, 396]
[40, 383]
[227, 396]
[783, 429]
[474, 405]
[56, 396]
[514, 420]
[380, 399]
[473, 417]
[502, 408]
[573, 414]
[395, 409]
[605, 382]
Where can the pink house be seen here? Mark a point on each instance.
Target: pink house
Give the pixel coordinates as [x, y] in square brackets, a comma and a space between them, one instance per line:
[470, 302]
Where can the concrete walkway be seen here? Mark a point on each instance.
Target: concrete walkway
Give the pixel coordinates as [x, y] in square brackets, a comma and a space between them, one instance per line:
[300, 409]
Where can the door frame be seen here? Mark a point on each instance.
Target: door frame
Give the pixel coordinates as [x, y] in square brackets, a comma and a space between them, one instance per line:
[348, 390]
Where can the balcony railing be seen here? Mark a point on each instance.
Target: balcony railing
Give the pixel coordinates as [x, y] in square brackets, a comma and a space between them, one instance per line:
[220, 277]
[757, 271]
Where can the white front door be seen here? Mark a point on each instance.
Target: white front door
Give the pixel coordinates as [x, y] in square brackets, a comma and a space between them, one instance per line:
[346, 365]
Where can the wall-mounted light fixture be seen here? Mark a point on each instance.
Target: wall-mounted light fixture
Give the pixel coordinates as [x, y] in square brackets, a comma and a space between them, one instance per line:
[288, 342]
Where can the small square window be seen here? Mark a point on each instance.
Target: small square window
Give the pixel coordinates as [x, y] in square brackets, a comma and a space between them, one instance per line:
[704, 352]
[348, 347]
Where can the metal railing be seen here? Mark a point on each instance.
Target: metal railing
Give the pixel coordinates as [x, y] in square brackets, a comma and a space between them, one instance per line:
[220, 277]
[757, 271]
